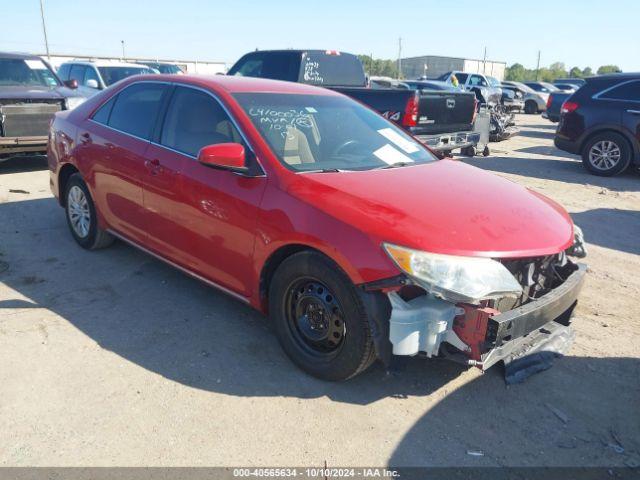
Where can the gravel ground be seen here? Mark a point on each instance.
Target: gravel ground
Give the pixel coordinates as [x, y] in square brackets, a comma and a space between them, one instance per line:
[113, 358]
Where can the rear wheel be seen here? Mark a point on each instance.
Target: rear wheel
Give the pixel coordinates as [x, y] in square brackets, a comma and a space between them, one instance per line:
[81, 216]
[530, 107]
[319, 318]
[606, 154]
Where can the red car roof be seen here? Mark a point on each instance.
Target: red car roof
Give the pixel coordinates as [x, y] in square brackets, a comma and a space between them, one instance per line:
[233, 84]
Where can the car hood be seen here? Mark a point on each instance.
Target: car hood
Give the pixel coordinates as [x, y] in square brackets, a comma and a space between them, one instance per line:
[442, 207]
[37, 92]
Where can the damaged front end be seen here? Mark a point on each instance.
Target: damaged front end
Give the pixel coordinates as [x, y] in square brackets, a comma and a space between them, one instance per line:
[525, 323]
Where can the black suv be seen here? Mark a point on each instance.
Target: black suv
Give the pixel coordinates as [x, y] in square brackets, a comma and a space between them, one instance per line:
[601, 122]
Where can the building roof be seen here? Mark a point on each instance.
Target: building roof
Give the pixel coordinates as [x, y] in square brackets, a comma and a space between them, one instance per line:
[454, 58]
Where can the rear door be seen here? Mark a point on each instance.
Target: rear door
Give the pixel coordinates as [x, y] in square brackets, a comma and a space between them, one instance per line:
[626, 96]
[111, 153]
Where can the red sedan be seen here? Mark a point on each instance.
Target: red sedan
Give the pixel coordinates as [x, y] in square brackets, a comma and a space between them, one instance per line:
[312, 208]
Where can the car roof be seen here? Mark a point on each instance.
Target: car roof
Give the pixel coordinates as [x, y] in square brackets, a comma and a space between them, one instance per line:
[19, 56]
[237, 84]
[615, 76]
[103, 63]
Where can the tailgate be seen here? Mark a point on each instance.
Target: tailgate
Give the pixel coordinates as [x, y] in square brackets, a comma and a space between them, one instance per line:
[390, 103]
[444, 112]
[27, 119]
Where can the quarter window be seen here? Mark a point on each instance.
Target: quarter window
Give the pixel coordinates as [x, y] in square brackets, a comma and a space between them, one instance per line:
[629, 91]
[194, 120]
[136, 108]
[102, 114]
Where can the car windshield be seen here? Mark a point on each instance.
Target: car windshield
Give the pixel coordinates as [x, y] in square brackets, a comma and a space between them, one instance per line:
[329, 133]
[27, 72]
[111, 75]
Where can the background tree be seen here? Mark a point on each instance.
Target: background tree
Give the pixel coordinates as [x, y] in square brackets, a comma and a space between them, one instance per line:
[587, 72]
[575, 72]
[609, 69]
[379, 67]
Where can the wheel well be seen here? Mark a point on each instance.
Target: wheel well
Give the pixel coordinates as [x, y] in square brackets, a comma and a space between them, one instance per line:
[63, 177]
[272, 264]
[586, 141]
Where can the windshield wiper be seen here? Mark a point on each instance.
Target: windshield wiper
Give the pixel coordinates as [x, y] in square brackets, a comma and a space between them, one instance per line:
[396, 165]
[323, 170]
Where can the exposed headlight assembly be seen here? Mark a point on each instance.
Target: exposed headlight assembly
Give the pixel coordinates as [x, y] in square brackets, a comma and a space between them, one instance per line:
[459, 279]
[73, 102]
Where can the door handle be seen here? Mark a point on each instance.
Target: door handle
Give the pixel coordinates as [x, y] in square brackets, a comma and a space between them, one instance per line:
[154, 166]
[634, 112]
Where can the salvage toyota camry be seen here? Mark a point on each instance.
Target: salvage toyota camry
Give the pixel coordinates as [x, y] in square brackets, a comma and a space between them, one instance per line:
[317, 211]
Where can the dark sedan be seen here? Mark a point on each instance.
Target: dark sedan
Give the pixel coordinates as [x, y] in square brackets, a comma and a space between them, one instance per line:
[601, 122]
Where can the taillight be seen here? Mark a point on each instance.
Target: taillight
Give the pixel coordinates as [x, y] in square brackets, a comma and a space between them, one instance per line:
[475, 110]
[568, 107]
[549, 101]
[410, 118]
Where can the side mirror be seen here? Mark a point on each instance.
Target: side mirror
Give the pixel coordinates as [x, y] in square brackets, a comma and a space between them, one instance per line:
[228, 156]
[72, 83]
[92, 83]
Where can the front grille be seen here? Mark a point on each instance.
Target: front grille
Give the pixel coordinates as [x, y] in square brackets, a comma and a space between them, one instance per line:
[27, 119]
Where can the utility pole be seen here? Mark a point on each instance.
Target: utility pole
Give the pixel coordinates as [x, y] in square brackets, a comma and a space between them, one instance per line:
[538, 67]
[122, 42]
[484, 62]
[44, 30]
[399, 58]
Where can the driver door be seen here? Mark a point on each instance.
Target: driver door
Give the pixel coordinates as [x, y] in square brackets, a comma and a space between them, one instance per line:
[201, 218]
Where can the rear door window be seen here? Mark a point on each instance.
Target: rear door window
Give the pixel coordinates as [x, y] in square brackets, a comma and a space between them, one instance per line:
[194, 120]
[628, 91]
[136, 109]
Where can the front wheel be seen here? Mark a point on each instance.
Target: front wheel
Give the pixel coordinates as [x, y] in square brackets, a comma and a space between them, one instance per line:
[606, 154]
[319, 318]
[81, 216]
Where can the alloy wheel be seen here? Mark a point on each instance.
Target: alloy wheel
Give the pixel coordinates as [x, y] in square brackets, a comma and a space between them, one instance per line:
[604, 155]
[78, 211]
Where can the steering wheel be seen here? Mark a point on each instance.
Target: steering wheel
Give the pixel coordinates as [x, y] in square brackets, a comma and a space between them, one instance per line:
[347, 144]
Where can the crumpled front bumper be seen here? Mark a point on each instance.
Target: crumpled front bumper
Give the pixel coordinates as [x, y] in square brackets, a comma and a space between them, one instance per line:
[527, 338]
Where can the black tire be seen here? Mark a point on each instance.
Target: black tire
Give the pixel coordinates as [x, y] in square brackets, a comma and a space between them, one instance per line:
[295, 286]
[604, 165]
[95, 238]
[530, 107]
[468, 151]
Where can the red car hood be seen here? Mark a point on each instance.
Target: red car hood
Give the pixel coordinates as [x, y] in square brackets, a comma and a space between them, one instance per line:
[443, 207]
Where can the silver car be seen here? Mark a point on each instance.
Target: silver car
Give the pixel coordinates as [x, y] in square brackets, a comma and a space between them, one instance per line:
[534, 102]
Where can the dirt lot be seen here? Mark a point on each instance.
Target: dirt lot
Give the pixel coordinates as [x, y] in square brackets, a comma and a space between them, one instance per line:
[113, 358]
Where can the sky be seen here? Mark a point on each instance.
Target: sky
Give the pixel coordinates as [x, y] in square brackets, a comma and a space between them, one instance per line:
[578, 33]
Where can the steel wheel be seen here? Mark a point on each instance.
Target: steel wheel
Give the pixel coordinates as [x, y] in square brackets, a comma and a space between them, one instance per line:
[604, 155]
[78, 211]
[314, 317]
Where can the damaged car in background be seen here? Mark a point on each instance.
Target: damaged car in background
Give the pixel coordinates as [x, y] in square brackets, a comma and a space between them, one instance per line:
[30, 93]
[317, 211]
